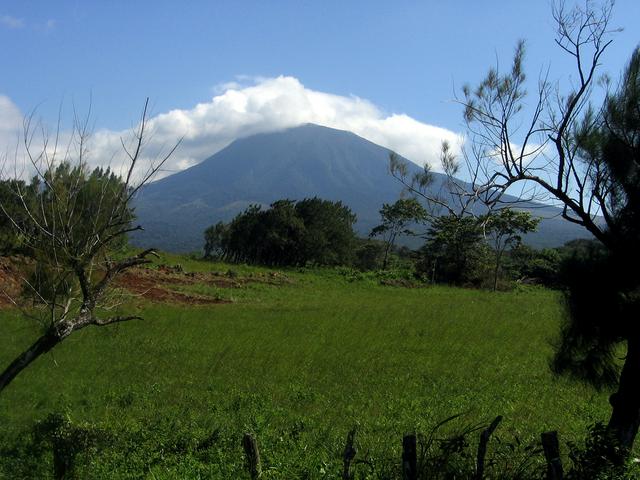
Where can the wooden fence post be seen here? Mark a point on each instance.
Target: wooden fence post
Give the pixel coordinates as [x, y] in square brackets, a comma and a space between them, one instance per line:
[551, 447]
[349, 454]
[61, 461]
[250, 445]
[482, 446]
[409, 458]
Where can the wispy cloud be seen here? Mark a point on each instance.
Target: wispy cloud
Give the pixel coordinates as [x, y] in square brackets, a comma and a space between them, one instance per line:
[10, 121]
[246, 107]
[11, 22]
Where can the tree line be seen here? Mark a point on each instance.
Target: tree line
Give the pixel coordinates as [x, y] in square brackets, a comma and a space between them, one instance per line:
[87, 196]
[310, 231]
[486, 251]
[475, 251]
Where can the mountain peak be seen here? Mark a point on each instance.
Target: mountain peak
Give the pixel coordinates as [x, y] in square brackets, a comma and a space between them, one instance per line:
[309, 129]
[300, 162]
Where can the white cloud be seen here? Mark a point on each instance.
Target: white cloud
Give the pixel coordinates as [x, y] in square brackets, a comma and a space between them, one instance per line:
[11, 22]
[10, 126]
[273, 104]
[265, 105]
[10, 115]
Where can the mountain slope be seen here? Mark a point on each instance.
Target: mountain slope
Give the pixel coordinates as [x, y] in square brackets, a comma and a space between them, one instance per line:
[300, 162]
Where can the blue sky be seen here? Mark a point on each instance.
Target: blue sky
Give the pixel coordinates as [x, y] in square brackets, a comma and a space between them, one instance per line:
[403, 57]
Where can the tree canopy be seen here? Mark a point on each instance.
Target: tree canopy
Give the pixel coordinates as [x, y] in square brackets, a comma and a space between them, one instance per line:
[310, 231]
[398, 218]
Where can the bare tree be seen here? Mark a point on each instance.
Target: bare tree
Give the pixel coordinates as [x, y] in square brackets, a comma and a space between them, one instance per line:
[75, 218]
[537, 147]
[454, 196]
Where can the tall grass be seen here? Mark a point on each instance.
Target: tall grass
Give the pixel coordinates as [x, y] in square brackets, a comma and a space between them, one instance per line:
[299, 364]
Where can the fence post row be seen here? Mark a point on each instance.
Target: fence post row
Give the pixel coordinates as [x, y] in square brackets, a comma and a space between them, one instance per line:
[550, 445]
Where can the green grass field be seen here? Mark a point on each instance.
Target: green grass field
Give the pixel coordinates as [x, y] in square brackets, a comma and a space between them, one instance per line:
[299, 364]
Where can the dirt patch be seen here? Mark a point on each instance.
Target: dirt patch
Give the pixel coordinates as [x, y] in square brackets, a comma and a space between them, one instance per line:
[152, 287]
[156, 284]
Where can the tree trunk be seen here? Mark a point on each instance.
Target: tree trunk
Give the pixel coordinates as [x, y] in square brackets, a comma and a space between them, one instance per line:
[625, 414]
[390, 242]
[496, 271]
[41, 346]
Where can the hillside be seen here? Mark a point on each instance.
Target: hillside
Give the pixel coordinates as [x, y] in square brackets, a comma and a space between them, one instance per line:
[300, 162]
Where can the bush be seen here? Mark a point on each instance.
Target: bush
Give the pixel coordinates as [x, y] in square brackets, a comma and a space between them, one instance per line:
[593, 459]
[540, 266]
[369, 255]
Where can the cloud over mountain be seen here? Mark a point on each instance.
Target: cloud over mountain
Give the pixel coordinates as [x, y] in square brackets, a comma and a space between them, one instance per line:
[271, 104]
[263, 105]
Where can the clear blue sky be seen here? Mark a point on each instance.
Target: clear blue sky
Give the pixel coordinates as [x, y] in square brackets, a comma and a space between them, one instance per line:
[403, 56]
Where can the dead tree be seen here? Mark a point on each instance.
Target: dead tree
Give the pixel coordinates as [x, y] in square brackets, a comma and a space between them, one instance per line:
[75, 219]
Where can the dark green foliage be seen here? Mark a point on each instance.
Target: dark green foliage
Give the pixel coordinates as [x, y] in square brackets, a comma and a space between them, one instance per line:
[505, 229]
[311, 231]
[397, 218]
[328, 237]
[14, 218]
[214, 240]
[603, 291]
[600, 457]
[540, 266]
[82, 202]
[48, 283]
[369, 254]
[582, 249]
[88, 202]
[596, 322]
[90, 199]
[455, 251]
[57, 218]
[621, 150]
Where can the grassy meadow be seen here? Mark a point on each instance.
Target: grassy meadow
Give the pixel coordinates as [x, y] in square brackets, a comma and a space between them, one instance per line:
[298, 361]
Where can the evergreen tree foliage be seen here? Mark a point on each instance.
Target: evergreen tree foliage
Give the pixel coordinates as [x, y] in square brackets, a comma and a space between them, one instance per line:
[603, 286]
[311, 231]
